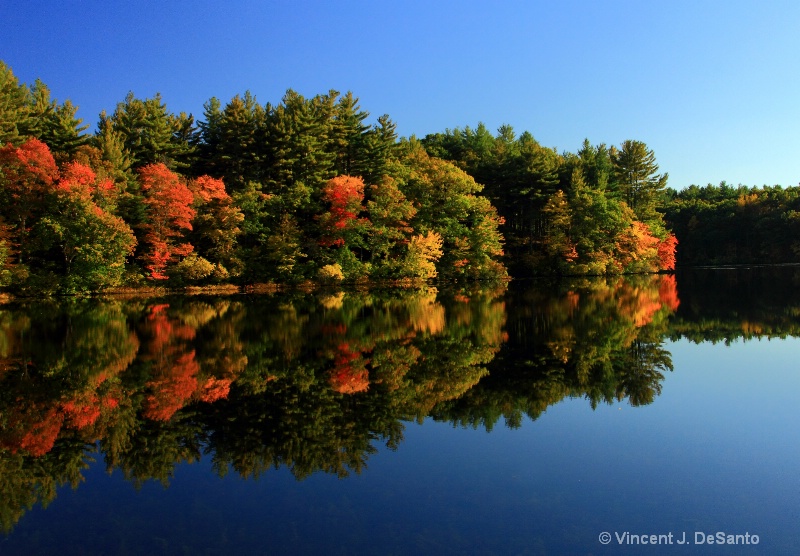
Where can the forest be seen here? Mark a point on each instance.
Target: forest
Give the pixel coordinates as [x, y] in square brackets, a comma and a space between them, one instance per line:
[312, 190]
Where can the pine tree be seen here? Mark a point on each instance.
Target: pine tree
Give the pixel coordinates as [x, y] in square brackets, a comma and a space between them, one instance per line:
[348, 137]
[151, 134]
[638, 183]
[380, 142]
[14, 108]
[55, 124]
[300, 163]
[237, 132]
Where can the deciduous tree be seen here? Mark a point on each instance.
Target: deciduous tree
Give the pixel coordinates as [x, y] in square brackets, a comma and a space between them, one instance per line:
[168, 203]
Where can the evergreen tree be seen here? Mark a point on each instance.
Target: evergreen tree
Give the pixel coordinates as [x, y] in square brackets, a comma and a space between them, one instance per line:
[380, 144]
[300, 163]
[151, 134]
[349, 136]
[236, 133]
[55, 124]
[14, 107]
[638, 183]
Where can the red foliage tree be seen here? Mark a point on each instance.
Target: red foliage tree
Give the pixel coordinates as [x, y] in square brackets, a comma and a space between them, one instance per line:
[168, 204]
[79, 179]
[345, 194]
[216, 389]
[666, 252]
[33, 428]
[27, 173]
[83, 410]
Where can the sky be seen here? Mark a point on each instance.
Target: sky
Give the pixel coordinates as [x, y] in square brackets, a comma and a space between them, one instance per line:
[713, 87]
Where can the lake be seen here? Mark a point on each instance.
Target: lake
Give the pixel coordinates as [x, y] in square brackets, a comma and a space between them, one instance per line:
[537, 418]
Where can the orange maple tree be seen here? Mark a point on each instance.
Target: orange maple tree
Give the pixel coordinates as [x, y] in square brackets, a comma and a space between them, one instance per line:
[169, 215]
[666, 252]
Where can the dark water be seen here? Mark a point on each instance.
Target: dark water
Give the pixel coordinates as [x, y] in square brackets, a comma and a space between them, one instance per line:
[526, 421]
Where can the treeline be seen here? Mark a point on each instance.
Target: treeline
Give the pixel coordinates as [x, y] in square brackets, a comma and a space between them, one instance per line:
[735, 225]
[303, 190]
[597, 211]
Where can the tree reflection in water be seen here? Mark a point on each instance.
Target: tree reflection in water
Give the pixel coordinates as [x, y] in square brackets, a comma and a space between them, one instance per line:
[312, 383]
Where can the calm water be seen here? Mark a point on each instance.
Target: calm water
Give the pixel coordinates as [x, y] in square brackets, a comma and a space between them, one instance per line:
[526, 421]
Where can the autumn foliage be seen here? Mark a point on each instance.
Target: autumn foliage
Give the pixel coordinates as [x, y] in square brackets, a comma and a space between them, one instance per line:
[168, 203]
[666, 252]
[349, 374]
[345, 195]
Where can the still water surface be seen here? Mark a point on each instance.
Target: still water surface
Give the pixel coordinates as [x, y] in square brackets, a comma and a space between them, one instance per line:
[526, 421]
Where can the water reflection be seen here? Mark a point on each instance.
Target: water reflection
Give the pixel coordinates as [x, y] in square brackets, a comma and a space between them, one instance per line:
[307, 382]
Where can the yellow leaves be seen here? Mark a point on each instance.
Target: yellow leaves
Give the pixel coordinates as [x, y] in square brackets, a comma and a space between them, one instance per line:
[423, 252]
[427, 315]
[745, 200]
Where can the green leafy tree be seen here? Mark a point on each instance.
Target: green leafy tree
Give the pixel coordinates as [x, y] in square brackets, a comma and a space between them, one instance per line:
[390, 213]
[93, 244]
[447, 203]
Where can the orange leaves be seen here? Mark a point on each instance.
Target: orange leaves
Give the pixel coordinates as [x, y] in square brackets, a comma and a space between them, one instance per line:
[174, 368]
[666, 252]
[349, 374]
[344, 192]
[215, 389]
[668, 292]
[643, 238]
[31, 162]
[638, 250]
[174, 385]
[82, 412]
[169, 215]
[41, 437]
[208, 189]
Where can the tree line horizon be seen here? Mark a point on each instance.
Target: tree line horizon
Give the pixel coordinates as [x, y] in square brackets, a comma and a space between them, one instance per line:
[306, 189]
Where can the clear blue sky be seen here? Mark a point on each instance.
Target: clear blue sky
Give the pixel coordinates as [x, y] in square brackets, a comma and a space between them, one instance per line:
[711, 86]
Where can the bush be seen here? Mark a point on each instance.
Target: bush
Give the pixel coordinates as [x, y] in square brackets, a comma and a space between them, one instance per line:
[193, 268]
[331, 273]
